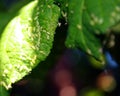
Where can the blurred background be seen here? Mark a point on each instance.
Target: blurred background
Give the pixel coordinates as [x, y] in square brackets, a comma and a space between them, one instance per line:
[68, 72]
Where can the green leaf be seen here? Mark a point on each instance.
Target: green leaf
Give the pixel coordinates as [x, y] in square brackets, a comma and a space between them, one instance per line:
[101, 15]
[27, 40]
[3, 91]
[86, 18]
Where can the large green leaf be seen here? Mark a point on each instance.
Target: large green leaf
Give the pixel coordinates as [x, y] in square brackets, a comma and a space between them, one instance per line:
[27, 40]
[87, 18]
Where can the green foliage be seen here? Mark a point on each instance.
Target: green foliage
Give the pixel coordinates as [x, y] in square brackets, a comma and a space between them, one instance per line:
[27, 40]
[86, 20]
[3, 91]
[4, 21]
[91, 92]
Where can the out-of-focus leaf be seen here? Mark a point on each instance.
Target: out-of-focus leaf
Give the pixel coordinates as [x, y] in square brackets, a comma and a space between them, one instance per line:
[4, 19]
[101, 15]
[3, 91]
[116, 28]
[87, 18]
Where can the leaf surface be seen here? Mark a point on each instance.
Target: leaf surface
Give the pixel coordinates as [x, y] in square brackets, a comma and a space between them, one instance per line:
[27, 40]
[88, 18]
